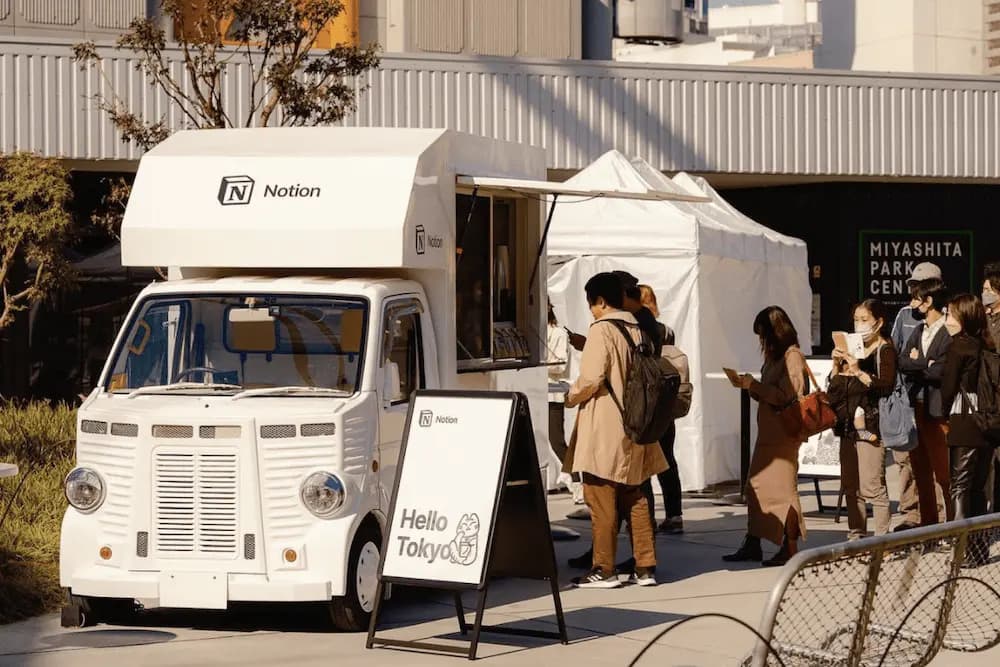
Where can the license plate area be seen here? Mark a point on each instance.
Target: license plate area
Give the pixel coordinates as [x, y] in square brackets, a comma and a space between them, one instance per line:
[194, 590]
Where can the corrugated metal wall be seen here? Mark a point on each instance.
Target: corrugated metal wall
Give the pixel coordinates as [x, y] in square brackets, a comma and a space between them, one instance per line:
[115, 15]
[700, 119]
[51, 12]
[68, 19]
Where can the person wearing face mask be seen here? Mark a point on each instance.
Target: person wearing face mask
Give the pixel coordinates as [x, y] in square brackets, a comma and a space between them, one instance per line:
[922, 364]
[991, 300]
[855, 389]
[902, 329]
[971, 454]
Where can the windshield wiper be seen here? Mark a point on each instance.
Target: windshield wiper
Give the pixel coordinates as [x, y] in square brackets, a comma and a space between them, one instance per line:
[285, 391]
[182, 386]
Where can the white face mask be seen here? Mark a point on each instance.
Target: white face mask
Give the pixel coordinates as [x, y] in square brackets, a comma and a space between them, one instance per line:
[868, 333]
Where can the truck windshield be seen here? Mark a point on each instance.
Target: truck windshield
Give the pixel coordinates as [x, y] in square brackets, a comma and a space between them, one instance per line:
[233, 343]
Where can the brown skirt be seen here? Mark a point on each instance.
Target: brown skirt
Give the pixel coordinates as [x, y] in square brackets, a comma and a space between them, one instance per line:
[772, 491]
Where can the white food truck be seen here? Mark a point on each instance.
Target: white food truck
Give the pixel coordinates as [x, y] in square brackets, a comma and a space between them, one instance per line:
[242, 443]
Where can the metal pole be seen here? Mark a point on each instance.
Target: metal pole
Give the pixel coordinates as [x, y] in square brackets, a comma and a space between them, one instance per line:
[541, 246]
[744, 442]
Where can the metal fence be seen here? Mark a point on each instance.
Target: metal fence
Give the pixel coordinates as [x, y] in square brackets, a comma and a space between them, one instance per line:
[895, 600]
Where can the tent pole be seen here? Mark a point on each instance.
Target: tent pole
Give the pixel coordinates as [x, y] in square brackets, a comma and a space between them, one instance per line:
[541, 247]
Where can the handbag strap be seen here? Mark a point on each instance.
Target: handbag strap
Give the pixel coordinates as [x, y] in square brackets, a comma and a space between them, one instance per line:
[805, 362]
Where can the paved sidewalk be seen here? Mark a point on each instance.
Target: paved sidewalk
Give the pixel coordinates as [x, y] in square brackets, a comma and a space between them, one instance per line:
[606, 627]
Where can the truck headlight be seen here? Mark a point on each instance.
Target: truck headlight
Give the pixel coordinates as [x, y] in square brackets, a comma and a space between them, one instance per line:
[323, 494]
[84, 489]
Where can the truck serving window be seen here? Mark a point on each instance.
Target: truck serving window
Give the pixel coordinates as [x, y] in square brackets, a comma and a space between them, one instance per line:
[239, 342]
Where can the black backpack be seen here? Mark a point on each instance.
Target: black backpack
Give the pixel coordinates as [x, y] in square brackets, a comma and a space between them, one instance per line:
[987, 415]
[651, 387]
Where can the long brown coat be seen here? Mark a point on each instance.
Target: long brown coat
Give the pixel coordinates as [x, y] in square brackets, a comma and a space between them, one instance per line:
[599, 445]
[773, 488]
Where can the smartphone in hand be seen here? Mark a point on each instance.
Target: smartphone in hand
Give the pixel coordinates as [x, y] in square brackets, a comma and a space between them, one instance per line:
[734, 377]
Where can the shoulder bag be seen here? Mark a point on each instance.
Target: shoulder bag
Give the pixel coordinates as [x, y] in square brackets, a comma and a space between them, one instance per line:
[808, 415]
[897, 423]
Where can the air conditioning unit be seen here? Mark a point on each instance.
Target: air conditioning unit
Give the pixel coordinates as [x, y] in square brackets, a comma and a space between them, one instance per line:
[654, 20]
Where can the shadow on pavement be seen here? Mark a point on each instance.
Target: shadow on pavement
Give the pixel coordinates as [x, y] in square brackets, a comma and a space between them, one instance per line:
[109, 638]
[240, 618]
[581, 625]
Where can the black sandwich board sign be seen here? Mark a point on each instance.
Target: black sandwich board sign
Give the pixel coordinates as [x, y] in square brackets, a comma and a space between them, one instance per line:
[468, 507]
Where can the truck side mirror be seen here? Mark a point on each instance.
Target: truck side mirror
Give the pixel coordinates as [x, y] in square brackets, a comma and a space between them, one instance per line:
[391, 386]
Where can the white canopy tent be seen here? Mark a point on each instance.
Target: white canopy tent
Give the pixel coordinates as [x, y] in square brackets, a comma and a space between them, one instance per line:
[712, 269]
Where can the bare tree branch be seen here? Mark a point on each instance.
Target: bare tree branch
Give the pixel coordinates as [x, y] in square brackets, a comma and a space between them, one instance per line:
[291, 82]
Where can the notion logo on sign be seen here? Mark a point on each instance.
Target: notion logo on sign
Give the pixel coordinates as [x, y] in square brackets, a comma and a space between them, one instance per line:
[426, 418]
[235, 190]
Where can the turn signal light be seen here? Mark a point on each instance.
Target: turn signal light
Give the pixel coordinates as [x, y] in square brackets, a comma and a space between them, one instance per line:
[290, 556]
[105, 553]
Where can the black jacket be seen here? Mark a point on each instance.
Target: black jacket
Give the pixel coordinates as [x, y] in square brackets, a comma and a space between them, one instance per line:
[961, 372]
[847, 393]
[923, 374]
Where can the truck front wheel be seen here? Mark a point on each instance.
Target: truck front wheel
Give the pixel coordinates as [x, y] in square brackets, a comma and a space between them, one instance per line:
[352, 612]
[85, 612]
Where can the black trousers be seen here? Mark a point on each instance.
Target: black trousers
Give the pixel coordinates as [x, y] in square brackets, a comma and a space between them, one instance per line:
[970, 468]
[670, 480]
[996, 484]
[557, 430]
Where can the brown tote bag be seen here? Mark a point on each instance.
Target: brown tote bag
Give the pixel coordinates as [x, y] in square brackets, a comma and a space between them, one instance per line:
[811, 414]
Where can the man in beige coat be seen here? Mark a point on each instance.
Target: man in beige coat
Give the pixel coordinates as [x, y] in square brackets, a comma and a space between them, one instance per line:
[612, 466]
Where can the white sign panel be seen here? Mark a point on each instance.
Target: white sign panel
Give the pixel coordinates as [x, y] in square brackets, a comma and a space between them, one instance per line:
[820, 454]
[448, 486]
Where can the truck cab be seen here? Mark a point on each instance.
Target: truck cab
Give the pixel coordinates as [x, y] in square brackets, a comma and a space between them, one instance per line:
[244, 439]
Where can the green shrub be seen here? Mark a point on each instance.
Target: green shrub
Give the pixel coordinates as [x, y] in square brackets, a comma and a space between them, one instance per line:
[39, 439]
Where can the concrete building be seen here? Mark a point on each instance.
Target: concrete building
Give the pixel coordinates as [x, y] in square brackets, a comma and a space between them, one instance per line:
[906, 36]
[928, 36]
[770, 33]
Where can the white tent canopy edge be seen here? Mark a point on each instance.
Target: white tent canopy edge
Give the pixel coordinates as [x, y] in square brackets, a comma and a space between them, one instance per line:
[712, 268]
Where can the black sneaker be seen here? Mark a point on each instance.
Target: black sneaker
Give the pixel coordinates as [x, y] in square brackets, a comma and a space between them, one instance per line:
[672, 526]
[598, 579]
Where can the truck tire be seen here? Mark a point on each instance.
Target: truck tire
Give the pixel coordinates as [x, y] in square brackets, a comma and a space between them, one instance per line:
[85, 612]
[352, 612]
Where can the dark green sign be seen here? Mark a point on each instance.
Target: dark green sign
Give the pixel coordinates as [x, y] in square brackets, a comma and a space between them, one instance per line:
[888, 258]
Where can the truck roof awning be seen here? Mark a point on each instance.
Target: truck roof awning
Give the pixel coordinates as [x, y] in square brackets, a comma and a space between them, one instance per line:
[518, 186]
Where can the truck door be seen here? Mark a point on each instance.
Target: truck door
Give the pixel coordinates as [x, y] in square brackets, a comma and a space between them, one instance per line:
[402, 358]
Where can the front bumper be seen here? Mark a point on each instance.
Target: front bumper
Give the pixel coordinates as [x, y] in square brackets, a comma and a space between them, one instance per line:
[149, 587]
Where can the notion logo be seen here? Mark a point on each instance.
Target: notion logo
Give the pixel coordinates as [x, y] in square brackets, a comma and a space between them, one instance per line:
[426, 418]
[421, 240]
[235, 190]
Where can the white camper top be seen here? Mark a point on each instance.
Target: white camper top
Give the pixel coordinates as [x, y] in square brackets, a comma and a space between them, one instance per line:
[309, 198]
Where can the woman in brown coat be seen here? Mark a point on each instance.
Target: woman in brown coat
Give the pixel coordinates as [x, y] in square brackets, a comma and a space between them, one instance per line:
[772, 492]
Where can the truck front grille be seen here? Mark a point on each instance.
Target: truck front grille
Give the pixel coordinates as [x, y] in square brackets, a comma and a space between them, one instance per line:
[195, 502]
